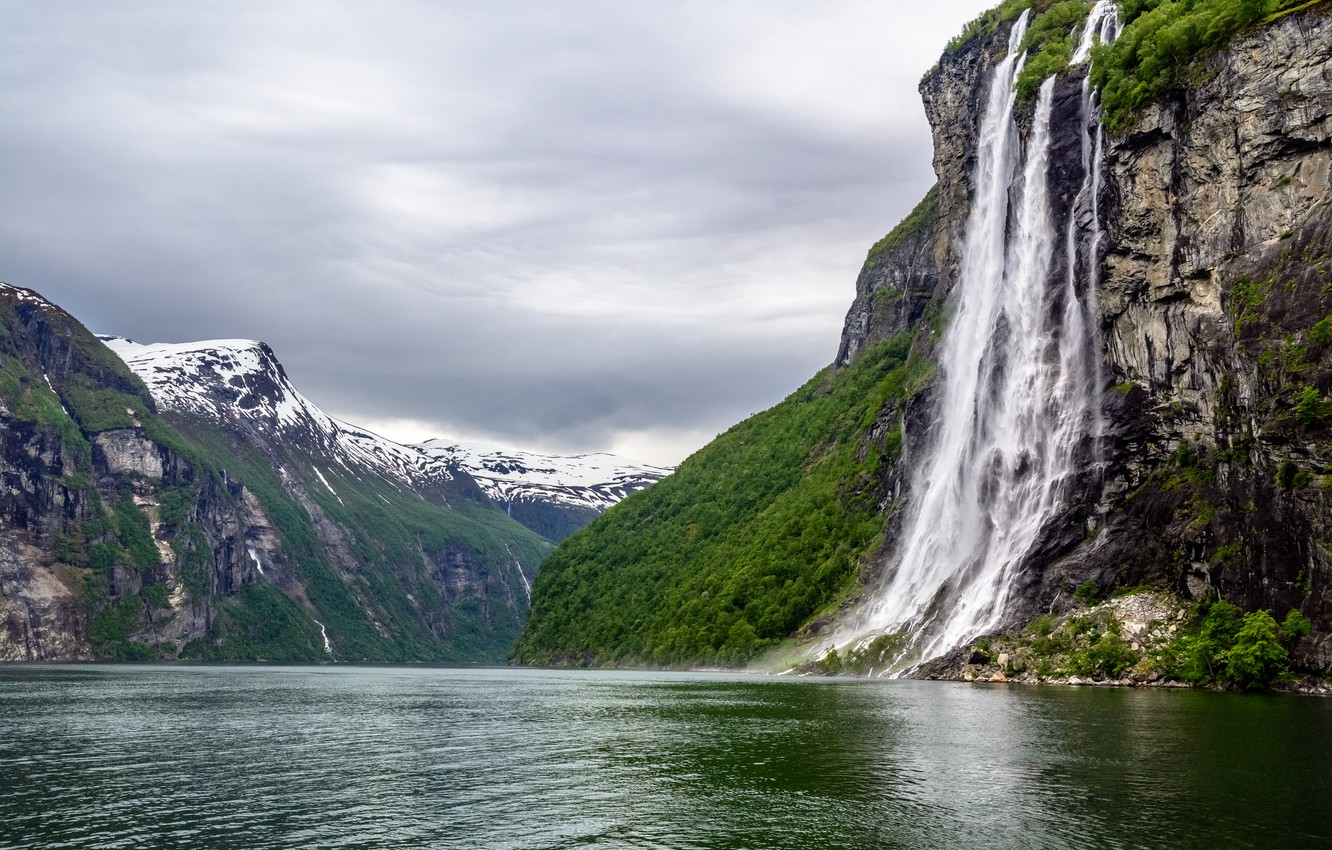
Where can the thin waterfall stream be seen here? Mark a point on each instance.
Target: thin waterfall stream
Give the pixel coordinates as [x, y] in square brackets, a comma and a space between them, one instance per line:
[1018, 402]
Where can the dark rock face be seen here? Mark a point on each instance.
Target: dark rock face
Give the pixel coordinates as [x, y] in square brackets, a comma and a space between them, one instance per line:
[892, 295]
[1215, 275]
[58, 479]
[1218, 214]
[129, 534]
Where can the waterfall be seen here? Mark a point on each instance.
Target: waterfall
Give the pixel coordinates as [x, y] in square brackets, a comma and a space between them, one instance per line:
[1019, 381]
[1102, 23]
[328, 647]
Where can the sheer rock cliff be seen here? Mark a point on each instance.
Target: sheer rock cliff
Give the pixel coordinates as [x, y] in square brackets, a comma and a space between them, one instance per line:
[1214, 474]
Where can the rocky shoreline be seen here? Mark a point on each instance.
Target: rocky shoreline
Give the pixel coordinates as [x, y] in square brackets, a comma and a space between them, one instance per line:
[1145, 639]
[1138, 640]
[1309, 685]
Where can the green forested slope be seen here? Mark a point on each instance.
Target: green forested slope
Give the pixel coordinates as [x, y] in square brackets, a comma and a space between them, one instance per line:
[92, 523]
[746, 542]
[378, 599]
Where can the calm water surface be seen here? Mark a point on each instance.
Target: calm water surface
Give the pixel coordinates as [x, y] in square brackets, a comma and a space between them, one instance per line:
[112, 756]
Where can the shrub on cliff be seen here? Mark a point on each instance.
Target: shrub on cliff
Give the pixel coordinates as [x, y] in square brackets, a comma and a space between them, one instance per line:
[1294, 627]
[1311, 408]
[1257, 658]
[1051, 36]
[1249, 651]
[987, 22]
[915, 222]
[1161, 39]
[1106, 654]
[1204, 654]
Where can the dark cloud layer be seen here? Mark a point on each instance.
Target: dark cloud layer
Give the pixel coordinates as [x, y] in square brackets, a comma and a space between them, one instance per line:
[571, 226]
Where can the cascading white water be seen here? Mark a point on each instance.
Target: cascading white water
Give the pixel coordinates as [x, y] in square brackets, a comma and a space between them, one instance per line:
[1019, 383]
[1102, 24]
[328, 647]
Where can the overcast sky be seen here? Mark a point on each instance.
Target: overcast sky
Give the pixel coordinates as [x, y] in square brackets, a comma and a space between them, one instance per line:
[560, 226]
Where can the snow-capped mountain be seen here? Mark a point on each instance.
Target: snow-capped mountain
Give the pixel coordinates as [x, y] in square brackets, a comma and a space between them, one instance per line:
[241, 383]
[594, 481]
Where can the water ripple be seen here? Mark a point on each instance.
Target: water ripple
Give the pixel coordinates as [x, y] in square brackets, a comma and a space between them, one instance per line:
[517, 759]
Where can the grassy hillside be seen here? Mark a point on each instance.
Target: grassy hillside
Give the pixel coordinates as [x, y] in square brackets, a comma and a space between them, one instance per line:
[100, 537]
[750, 539]
[147, 557]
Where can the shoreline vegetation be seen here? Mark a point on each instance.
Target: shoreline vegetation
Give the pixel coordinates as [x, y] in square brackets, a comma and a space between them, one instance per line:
[1142, 638]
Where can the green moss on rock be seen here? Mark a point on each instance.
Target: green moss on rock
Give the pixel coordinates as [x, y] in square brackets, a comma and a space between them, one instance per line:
[915, 223]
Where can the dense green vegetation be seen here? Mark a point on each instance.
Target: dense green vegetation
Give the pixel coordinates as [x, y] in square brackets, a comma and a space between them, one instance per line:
[747, 541]
[1248, 651]
[259, 623]
[1050, 41]
[1161, 41]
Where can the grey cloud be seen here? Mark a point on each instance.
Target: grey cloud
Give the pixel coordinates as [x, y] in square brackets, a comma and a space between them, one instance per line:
[546, 223]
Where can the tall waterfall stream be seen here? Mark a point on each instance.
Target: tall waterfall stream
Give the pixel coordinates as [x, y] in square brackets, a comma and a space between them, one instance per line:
[1019, 388]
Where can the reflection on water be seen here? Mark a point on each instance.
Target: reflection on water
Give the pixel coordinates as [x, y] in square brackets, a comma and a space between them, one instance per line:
[394, 757]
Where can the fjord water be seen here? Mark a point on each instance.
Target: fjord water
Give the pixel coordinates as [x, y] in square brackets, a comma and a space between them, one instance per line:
[116, 756]
[1019, 380]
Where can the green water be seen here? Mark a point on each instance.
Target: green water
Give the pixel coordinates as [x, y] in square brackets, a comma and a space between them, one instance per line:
[108, 756]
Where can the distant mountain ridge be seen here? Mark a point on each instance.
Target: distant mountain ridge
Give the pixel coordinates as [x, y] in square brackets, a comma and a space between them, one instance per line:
[242, 384]
[233, 521]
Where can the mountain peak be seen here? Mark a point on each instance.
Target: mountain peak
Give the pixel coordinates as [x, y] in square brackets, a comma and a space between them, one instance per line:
[18, 293]
[222, 379]
[241, 382]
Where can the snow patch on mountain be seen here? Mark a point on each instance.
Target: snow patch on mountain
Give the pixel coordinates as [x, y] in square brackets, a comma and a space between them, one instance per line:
[220, 378]
[593, 480]
[241, 382]
[18, 293]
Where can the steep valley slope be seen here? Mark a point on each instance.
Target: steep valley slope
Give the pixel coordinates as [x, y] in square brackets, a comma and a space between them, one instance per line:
[1210, 477]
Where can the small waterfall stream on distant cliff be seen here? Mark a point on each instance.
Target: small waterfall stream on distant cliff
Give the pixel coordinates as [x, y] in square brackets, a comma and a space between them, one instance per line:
[1019, 381]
